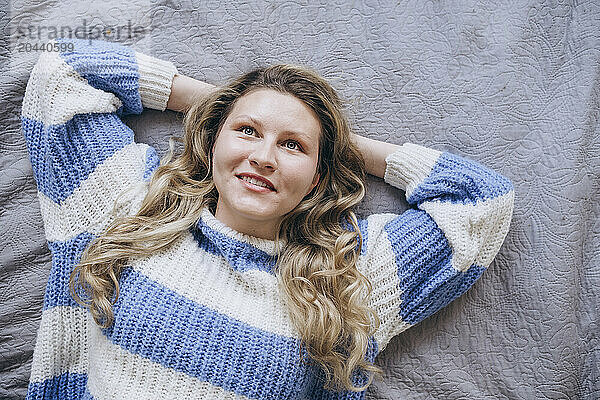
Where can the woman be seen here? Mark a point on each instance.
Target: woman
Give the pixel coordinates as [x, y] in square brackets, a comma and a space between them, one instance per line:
[237, 268]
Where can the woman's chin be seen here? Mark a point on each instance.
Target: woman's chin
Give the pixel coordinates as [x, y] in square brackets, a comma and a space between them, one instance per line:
[256, 211]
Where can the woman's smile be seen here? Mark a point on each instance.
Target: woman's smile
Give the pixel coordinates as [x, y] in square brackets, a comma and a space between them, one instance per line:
[255, 184]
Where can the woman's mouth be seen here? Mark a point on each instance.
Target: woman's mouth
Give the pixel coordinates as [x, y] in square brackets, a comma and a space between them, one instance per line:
[254, 184]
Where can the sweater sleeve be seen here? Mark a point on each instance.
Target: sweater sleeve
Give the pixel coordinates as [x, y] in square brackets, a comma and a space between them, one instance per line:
[421, 260]
[83, 156]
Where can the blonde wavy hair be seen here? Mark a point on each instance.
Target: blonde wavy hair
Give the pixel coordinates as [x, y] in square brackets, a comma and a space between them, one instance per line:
[317, 270]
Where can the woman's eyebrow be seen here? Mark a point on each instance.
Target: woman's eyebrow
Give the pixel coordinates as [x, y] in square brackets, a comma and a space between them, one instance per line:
[253, 120]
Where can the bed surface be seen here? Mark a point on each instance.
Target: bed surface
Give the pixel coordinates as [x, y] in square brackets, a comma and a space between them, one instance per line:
[514, 85]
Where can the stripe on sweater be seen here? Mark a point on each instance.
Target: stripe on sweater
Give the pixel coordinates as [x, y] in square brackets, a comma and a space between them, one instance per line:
[56, 92]
[116, 373]
[458, 180]
[169, 329]
[428, 280]
[92, 61]
[62, 344]
[63, 156]
[241, 256]
[65, 255]
[474, 232]
[253, 296]
[201, 276]
[64, 386]
[152, 162]
[379, 265]
[89, 207]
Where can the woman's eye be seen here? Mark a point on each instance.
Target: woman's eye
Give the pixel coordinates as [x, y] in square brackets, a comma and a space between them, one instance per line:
[246, 129]
[296, 145]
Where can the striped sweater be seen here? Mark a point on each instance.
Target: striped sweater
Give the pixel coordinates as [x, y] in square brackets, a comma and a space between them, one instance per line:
[205, 319]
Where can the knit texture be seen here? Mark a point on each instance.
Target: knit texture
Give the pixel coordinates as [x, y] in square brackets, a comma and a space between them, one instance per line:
[205, 319]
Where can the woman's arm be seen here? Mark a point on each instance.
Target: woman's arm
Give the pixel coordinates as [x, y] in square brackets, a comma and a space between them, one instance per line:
[186, 90]
[421, 260]
[374, 152]
[81, 152]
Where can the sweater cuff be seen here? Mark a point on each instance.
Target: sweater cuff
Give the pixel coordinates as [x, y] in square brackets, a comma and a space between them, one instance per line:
[408, 166]
[156, 77]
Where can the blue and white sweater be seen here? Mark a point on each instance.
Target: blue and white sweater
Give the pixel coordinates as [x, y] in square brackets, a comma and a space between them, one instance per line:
[206, 319]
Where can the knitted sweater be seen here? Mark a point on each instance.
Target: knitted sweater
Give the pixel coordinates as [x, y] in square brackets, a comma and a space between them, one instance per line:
[205, 319]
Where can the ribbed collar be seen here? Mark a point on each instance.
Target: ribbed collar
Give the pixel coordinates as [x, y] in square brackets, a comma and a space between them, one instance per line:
[227, 239]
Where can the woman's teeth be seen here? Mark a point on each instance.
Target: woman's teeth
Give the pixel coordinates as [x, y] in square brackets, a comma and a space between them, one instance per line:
[255, 182]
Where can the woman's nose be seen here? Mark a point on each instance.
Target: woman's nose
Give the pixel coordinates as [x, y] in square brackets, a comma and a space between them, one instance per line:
[263, 154]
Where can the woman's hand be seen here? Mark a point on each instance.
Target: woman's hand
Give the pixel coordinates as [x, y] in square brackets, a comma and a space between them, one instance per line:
[374, 152]
[185, 91]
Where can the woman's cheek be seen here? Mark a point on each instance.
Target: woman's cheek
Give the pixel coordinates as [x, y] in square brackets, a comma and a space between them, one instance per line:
[303, 175]
[232, 150]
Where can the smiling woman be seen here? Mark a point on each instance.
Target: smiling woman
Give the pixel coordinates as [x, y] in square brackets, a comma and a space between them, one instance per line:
[259, 148]
[236, 267]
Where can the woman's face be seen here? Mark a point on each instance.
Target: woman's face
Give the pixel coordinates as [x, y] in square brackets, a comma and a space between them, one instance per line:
[268, 135]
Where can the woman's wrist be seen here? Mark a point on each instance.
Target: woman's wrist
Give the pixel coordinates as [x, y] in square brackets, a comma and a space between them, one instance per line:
[185, 91]
[374, 153]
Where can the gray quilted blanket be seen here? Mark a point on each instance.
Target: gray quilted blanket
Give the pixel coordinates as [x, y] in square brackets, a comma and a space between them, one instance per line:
[512, 84]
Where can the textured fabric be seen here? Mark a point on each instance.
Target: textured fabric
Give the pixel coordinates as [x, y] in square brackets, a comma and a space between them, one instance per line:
[205, 318]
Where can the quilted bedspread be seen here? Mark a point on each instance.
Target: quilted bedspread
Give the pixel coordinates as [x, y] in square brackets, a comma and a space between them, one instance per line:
[514, 85]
